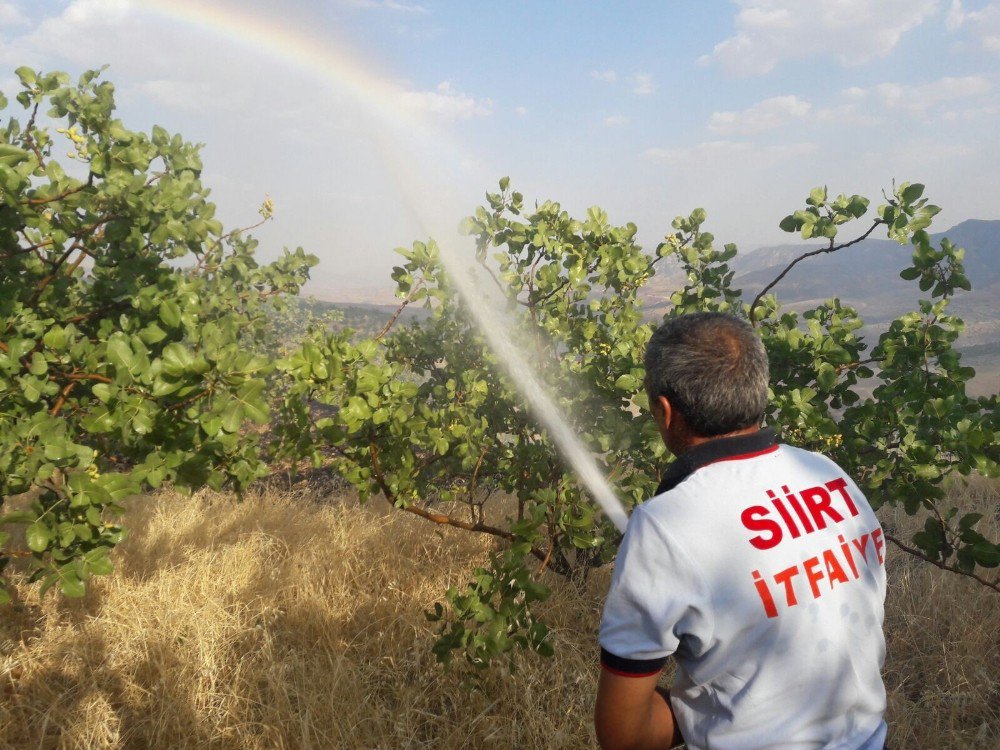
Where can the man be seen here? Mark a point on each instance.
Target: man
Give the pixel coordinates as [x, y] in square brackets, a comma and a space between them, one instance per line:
[757, 565]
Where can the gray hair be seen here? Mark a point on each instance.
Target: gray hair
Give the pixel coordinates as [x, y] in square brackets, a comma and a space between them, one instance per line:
[712, 368]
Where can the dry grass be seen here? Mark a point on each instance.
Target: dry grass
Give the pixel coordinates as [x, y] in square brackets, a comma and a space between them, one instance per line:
[281, 623]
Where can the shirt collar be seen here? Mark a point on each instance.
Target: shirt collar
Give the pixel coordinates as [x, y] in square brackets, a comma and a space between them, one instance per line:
[764, 440]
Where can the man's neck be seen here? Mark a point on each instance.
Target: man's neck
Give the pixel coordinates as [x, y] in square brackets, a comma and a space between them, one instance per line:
[688, 441]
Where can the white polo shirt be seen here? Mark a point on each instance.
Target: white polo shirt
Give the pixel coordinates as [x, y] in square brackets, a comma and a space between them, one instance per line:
[760, 568]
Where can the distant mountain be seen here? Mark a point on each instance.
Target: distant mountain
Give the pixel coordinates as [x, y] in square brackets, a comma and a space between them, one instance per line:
[980, 238]
[868, 273]
[866, 276]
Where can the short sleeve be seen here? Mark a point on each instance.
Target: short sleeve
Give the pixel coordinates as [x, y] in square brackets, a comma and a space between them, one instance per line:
[655, 599]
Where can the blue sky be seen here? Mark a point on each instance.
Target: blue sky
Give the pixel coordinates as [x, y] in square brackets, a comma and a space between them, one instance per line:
[648, 109]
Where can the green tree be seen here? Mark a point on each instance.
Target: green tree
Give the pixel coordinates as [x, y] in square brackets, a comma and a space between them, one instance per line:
[121, 365]
[423, 415]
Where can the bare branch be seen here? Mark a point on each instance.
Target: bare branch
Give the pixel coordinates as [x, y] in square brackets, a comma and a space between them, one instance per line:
[29, 139]
[53, 199]
[200, 265]
[399, 311]
[995, 585]
[854, 365]
[829, 249]
[63, 396]
[439, 518]
[79, 234]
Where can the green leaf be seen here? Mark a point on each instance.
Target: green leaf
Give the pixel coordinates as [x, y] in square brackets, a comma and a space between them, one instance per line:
[38, 536]
[11, 156]
[17, 516]
[120, 353]
[232, 419]
[826, 376]
[31, 390]
[152, 334]
[170, 313]
[38, 364]
[71, 585]
[986, 554]
[55, 338]
[26, 75]
[177, 359]
[98, 562]
[912, 192]
[817, 196]
[103, 391]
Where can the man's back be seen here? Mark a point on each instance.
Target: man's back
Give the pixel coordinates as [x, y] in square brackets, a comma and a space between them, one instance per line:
[762, 571]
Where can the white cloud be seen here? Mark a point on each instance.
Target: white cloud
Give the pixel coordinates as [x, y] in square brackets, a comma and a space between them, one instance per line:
[448, 103]
[983, 23]
[83, 32]
[608, 76]
[854, 32]
[642, 84]
[388, 5]
[973, 113]
[703, 155]
[858, 106]
[189, 95]
[764, 115]
[521, 111]
[615, 120]
[11, 15]
[921, 97]
[920, 154]
[846, 114]
[955, 17]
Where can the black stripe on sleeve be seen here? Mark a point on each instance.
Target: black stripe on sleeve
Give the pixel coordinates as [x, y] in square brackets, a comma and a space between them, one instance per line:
[631, 667]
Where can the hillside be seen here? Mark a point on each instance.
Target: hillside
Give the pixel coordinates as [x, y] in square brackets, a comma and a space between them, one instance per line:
[296, 621]
[867, 277]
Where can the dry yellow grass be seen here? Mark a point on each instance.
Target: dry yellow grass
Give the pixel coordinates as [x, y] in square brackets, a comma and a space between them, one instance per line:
[283, 623]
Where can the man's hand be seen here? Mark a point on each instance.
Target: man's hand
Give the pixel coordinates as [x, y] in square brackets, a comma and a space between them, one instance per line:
[631, 715]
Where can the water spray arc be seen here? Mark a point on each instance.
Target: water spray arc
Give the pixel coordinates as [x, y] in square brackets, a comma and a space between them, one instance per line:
[394, 128]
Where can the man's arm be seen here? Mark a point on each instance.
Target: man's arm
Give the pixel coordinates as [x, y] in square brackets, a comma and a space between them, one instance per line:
[630, 714]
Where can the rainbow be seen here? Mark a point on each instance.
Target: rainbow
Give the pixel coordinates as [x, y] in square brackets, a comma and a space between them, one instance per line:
[400, 134]
[292, 44]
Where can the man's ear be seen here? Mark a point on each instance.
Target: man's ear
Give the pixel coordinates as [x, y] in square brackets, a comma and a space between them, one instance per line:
[663, 412]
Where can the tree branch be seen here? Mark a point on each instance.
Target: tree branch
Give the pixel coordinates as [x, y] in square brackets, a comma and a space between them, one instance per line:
[399, 311]
[55, 270]
[53, 199]
[830, 249]
[439, 518]
[995, 585]
[29, 139]
[552, 293]
[503, 290]
[63, 396]
[83, 376]
[79, 234]
[200, 265]
[853, 365]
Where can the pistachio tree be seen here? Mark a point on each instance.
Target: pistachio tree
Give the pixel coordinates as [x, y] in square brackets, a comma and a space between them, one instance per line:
[423, 416]
[124, 313]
